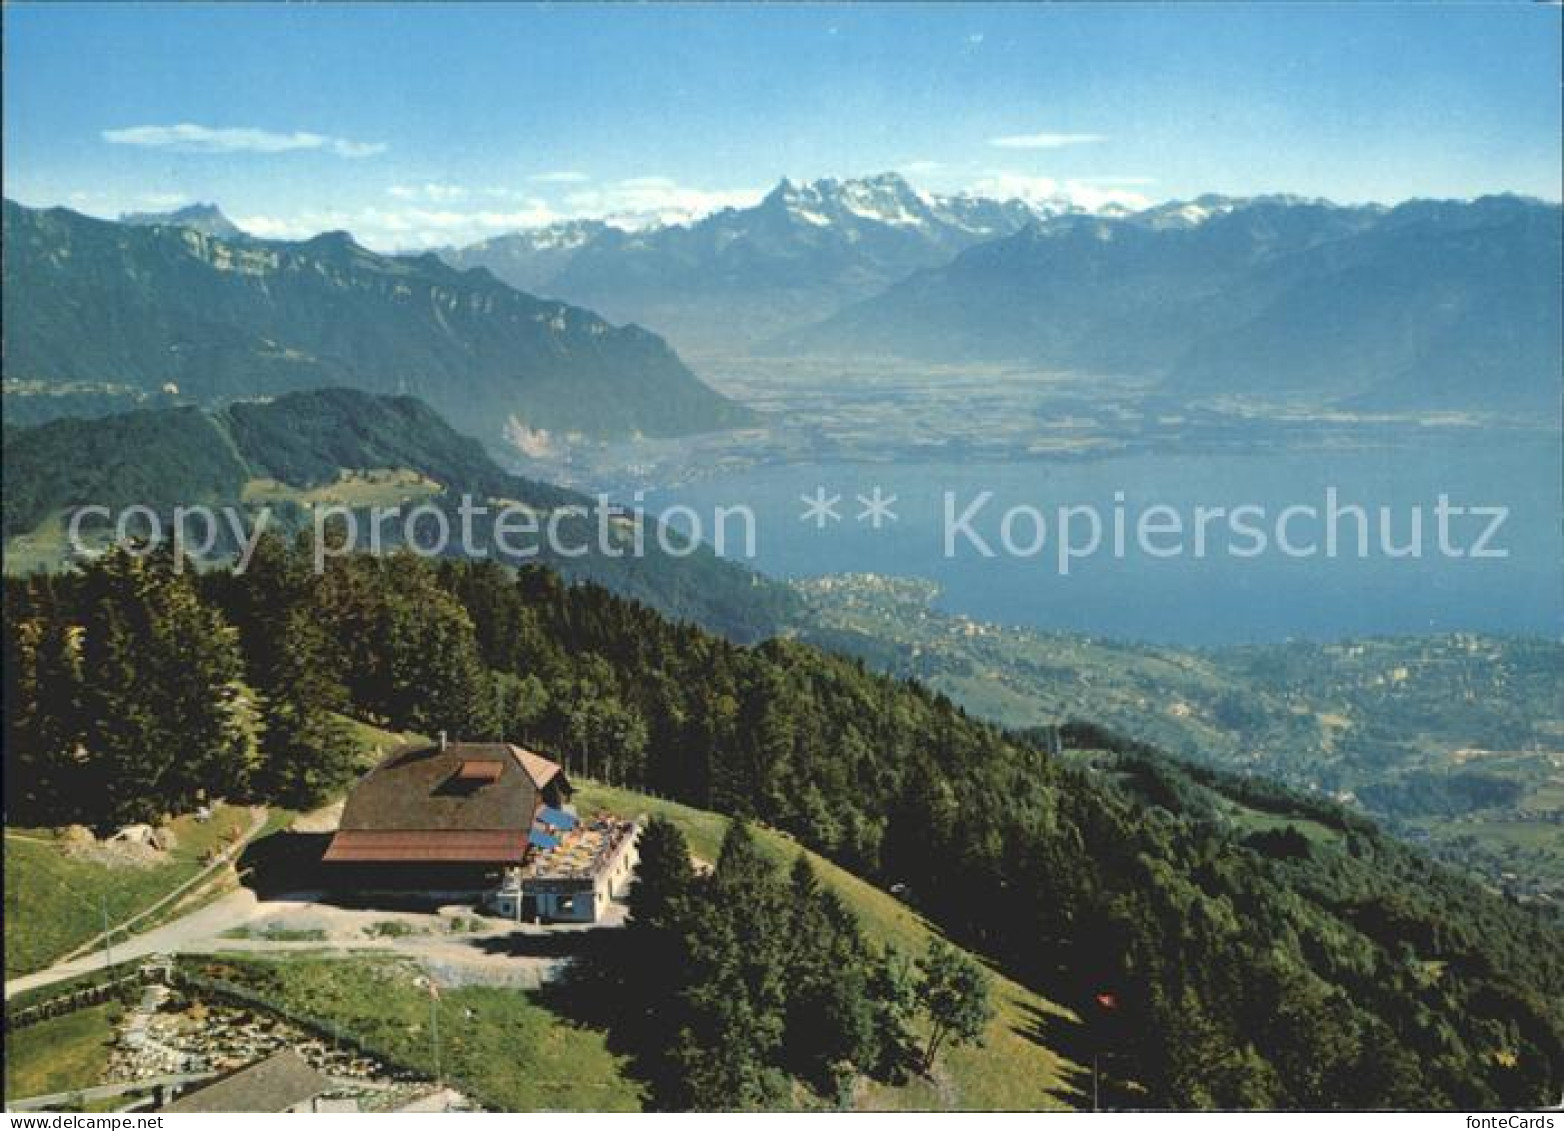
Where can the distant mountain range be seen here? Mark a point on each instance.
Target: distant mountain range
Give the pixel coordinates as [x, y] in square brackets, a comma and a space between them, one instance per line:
[1429, 305]
[349, 448]
[160, 303]
[744, 274]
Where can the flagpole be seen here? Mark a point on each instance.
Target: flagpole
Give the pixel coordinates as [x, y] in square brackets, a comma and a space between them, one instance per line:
[434, 1030]
[434, 1024]
[108, 944]
[1107, 1002]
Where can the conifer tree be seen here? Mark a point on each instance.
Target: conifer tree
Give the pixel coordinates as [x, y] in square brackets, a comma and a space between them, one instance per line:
[738, 985]
[829, 1034]
[664, 879]
[42, 673]
[310, 750]
[163, 705]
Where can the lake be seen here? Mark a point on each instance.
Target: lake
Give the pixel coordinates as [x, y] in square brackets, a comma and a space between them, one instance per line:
[1147, 594]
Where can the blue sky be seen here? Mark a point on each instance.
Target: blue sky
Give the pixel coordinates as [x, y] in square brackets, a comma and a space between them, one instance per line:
[426, 125]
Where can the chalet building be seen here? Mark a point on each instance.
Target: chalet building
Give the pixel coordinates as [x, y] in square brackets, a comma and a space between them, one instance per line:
[486, 821]
[283, 1082]
[574, 881]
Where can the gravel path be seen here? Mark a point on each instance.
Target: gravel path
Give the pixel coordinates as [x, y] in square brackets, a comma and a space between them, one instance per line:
[496, 954]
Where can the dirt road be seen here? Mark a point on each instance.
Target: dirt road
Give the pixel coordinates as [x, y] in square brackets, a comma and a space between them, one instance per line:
[496, 953]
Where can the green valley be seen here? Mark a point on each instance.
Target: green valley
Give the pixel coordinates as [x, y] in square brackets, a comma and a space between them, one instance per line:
[1455, 741]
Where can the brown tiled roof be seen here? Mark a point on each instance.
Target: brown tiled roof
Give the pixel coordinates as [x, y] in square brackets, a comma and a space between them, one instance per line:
[351, 847]
[538, 768]
[281, 1081]
[422, 794]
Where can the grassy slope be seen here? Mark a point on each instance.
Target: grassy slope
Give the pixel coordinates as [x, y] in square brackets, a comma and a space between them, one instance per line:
[516, 1054]
[1009, 1071]
[54, 903]
[46, 548]
[513, 1051]
[387, 486]
[61, 1053]
[509, 1051]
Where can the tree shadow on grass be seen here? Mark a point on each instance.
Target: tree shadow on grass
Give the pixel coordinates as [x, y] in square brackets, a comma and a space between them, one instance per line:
[599, 990]
[1079, 1043]
[282, 863]
[291, 863]
[586, 947]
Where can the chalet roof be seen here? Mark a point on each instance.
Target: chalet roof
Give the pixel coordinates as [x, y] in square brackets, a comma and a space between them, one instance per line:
[362, 847]
[538, 768]
[467, 801]
[281, 1081]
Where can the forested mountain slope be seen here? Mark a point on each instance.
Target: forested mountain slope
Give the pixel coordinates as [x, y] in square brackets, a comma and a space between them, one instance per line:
[91, 303]
[1264, 948]
[339, 447]
[1454, 740]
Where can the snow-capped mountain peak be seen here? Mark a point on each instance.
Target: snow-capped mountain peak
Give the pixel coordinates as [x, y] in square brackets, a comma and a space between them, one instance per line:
[885, 198]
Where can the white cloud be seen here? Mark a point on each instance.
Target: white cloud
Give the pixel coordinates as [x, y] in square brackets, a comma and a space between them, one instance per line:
[431, 215]
[1044, 140]
[1096, 198]
[1087, 194]
[1126, 182]
[432, 191]
[639, 201]
[162, 200]
[437, 192]
[188, 138]
[401, 228]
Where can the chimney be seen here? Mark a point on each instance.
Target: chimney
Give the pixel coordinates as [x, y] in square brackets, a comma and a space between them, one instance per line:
[443, 742]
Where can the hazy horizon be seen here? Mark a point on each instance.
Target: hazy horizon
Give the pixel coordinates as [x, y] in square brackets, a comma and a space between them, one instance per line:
[413, 128]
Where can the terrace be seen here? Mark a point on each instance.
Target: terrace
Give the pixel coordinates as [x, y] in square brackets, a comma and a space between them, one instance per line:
[582, 853]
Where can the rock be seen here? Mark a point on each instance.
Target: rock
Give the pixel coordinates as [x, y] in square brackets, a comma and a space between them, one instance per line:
[163, 839]
[133, 834]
